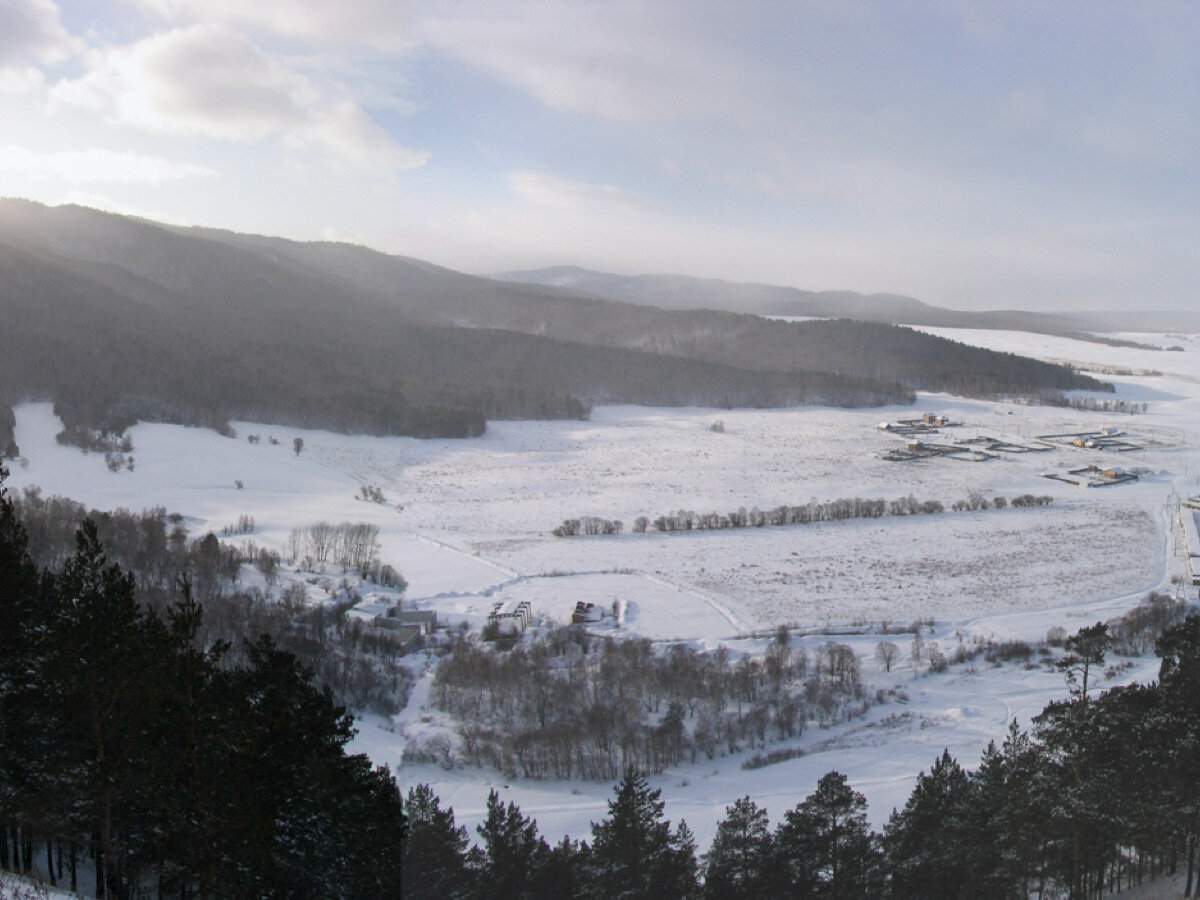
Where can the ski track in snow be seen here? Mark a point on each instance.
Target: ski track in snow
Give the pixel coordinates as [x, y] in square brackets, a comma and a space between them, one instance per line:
[468, 524]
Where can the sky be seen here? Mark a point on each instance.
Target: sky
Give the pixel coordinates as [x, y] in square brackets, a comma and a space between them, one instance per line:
[978, 155]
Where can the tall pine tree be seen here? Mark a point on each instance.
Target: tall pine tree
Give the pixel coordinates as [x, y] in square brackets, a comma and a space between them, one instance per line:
[927, 841]
[433, 856]
[634, 851]
[739, 863]
[825, 846]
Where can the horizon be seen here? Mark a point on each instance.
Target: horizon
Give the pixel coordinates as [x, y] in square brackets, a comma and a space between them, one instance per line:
[1151, 314]
[1017, 157]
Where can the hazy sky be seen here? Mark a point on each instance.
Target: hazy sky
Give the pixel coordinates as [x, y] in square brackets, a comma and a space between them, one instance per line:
[973, 154]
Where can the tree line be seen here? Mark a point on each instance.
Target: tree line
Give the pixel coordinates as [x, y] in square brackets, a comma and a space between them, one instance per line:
[351, 545]
[354, 660]
[571, 705]
[802, 514]
[136, 756]
[1098, 797]
[1091, 404]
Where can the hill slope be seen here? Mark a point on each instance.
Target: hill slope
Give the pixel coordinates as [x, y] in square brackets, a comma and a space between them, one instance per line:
[118, 319]
[862, 348]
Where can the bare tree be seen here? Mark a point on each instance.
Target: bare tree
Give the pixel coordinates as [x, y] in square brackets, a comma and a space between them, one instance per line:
[886, 652]
[321, 539]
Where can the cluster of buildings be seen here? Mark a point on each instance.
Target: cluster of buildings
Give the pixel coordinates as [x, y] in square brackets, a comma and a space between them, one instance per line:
[1111, 439]
[929, 423]
[1095, 476]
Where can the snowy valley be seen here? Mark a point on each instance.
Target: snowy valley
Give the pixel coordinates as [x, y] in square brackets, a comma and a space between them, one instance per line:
[469, 525]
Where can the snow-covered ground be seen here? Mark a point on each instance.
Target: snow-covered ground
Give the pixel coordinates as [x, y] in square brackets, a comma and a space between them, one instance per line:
[16, 887]
[468, 524]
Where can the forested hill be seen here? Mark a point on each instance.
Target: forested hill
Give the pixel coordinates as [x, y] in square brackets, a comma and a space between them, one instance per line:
[118, 319]
[682, 291]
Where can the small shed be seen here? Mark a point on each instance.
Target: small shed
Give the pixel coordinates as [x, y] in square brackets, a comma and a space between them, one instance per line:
[586, 612]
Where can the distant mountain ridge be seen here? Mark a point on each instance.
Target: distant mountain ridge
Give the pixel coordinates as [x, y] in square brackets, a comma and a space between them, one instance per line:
[687, 292]
[119, 319]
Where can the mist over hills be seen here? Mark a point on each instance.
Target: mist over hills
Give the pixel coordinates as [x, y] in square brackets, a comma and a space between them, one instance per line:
[686, 292]
[118, 319]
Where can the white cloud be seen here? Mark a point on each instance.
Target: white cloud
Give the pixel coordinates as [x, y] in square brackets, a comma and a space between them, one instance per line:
[30, 32]
[96, 165]
[209, 81]
[550, 190]
[21, 81]
[618, 60]
[202, 80]
[373, 23]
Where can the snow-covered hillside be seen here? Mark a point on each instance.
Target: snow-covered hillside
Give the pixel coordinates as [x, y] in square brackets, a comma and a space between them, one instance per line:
[468, 524]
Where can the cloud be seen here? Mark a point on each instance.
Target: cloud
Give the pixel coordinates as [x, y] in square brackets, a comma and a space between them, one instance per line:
[96, 165]
[21, 81]
[373, 23]
[618, 60]
[209, 81]
[550, 190]
[202, 80]
[30, 32]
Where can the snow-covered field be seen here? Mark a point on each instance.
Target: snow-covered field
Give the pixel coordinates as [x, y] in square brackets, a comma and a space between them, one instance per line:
[468, 524]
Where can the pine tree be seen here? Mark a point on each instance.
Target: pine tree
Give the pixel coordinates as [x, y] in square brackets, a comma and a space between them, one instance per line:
[187, 785]
[1179, 681]
[1008, 843]
[1099, 768]
[291, 736]
[926, 842]
[1085, 651]
[562, 870]
[1179, 671]
[103, 688]
[634, 852]
[825, 846]
[433, 853]
[21, 643]
[738, 863]
[512, 851]
[119, 732]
